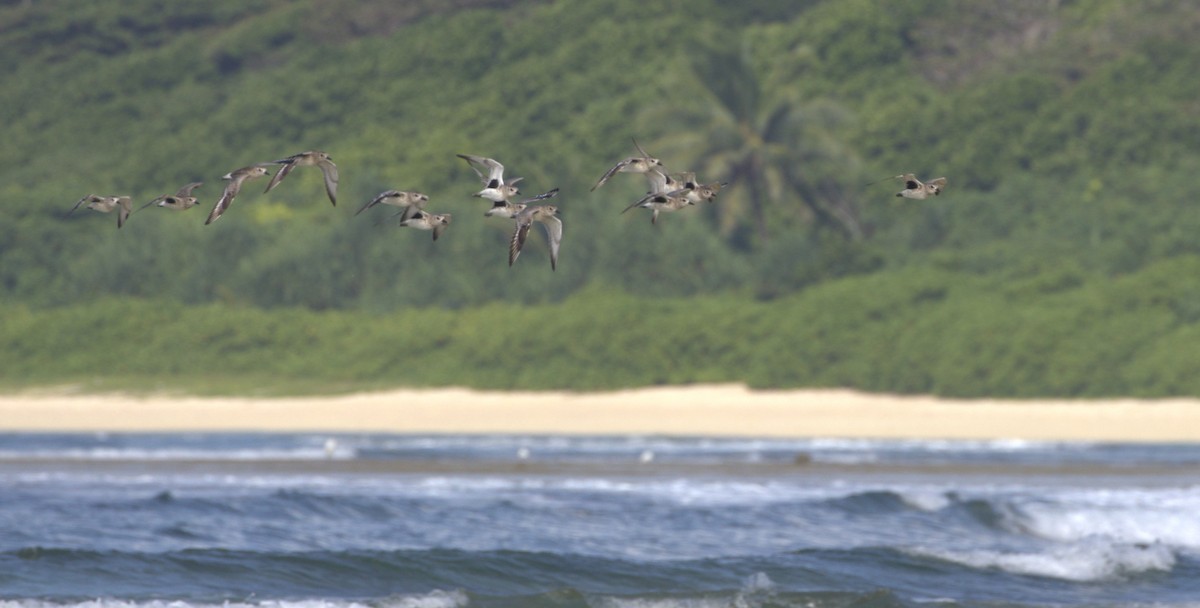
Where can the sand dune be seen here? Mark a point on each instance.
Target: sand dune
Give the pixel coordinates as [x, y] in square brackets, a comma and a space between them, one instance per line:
[717, 410]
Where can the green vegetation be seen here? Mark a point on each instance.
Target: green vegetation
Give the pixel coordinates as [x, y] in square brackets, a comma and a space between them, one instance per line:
[1062, 259]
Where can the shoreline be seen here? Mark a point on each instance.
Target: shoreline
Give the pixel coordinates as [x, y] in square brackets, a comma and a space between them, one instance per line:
[695, 410]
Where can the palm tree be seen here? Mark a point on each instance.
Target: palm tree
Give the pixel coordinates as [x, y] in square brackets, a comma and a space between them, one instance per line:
[778, 154]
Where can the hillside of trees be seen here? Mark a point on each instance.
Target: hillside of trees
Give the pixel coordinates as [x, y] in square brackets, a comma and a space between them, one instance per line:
[1061, 259]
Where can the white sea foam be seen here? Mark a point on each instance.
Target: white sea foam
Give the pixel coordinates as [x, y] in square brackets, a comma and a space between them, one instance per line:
[925, 499]
[688, 492]
[1130, 516]
[433, 599]
[711, 601]
[1078, 562]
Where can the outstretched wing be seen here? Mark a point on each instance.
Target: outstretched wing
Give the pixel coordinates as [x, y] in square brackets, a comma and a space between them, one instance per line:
[378, 197]
[231, 190]
[87, 199]
[472, 163]
[124, 207]
[187, 190]
[155, 201]
[543, 196]
[495, 170]
[939, 182]
[639, 149]
[330, 172]
[553, 237]
[641, 202]
[288, 165]
[610, 173]
[520, 233]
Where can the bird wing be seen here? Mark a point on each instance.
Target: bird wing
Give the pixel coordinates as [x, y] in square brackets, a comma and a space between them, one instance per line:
[187, 190]
[687, 178]
[375, 201]
[87, 199]
[658, 181]
[231, 190]
[471, 163]
[495, 169]
[639, 149]
[611, 172]
[156, 200]
[288, 165]
[408, 212]
[330, 172]
[543, 196]
[518, 238]
[939, 182]
[124, 207]
[553, 237]
[641, 201]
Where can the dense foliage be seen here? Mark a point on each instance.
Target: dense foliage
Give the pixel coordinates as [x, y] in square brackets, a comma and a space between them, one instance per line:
[1061, 260]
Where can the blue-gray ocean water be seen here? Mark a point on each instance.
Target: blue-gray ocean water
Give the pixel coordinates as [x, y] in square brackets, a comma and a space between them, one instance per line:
[396, 521]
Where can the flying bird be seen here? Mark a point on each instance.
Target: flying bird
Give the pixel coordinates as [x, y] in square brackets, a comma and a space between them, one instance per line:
[703, 193]
[658, 202]
[423, 220]
[512, 210]
[234, 186]
[410, 202]
[547, 215]
[105, 204]
[634, 164]
[913, 188]
[182, 200]
[495, 188]
[311, 158]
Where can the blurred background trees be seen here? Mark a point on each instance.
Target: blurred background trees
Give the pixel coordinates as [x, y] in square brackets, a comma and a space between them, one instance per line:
[1068, 132]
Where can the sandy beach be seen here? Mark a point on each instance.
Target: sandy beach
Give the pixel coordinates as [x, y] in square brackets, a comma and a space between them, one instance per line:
[719, 410]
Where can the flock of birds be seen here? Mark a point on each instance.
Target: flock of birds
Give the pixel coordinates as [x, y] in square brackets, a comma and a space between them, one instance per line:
[668, 192]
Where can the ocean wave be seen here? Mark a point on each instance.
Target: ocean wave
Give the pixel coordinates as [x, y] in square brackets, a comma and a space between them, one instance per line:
[1137, 516]
[1079, 562]
[880, 501]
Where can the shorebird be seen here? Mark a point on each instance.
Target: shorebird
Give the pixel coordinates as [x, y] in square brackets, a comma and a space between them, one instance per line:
[105, 204]
[703, 193]
[423, 220]
[495, 188]
[658, 202]
[182, 200]
[309, 159]
[913, 188]
[547, 215]
[634, 164]
[410, 202]
[233, 187]
[511, 210]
